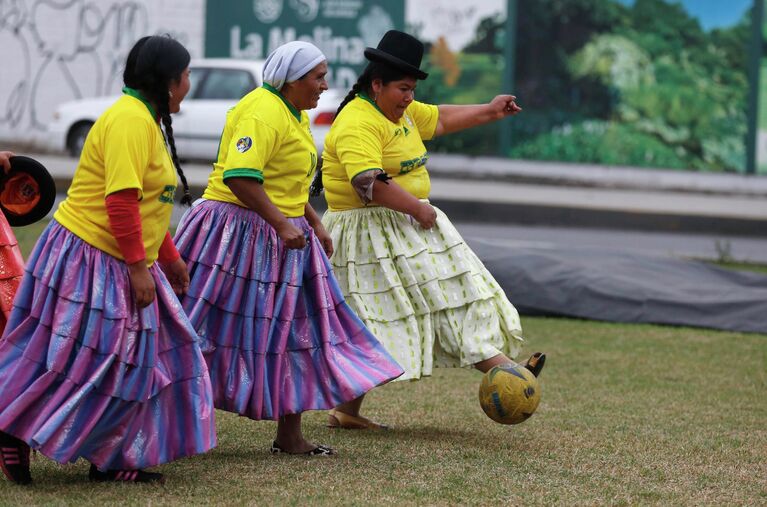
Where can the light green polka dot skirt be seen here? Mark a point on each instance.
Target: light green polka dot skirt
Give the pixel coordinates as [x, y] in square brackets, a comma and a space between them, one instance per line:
[422, 292]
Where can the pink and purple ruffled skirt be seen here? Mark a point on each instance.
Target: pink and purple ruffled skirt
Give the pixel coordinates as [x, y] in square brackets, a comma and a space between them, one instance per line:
[275, 330]
[85, 373]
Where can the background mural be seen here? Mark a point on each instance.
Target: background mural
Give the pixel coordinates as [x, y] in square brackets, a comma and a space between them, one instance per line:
[648, 83]
[761, 120]
[465, 60]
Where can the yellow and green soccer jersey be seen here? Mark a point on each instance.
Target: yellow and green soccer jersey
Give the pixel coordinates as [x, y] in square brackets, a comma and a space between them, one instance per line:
[362, 138]
[267, 139]
[125, 149]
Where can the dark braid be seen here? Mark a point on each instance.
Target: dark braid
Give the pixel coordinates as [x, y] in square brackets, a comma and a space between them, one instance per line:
[350, 96]
[316, 187]
[167, 121]
[153, 64]
[374, 70]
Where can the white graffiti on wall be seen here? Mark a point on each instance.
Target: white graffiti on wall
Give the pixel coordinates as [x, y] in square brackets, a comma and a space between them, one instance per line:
[52, 51]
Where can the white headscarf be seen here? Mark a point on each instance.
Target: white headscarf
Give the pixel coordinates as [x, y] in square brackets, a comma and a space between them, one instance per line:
[290, 61]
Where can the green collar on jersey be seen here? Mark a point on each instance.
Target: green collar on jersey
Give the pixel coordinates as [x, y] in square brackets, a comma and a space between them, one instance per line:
[137, 94]
[364, 96]
[295, 112]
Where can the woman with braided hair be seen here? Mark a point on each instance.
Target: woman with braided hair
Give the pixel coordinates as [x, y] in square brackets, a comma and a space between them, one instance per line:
[98, 360]
[401, 264]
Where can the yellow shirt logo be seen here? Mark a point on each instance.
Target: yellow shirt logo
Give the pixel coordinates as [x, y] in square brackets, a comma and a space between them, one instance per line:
[244, 144]
[414, 163]
[167, 195]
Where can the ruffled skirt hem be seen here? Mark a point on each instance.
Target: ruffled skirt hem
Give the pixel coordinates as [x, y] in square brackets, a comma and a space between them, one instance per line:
[423, 292]
[86, 373]
[276, 332]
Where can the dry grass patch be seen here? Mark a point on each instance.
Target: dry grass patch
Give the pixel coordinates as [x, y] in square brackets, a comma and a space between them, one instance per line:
[630, 415]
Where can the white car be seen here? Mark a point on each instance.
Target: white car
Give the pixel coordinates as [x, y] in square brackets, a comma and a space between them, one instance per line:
[217, 85]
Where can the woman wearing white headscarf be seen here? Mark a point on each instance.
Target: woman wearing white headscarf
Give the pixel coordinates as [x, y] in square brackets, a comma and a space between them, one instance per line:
[277, 335]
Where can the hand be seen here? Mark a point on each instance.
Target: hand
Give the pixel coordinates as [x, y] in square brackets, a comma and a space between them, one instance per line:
[504, 105]
[325, 240]
[177, 275]
[5, 160]
[425, 215]
[292, 236]
[142, 283]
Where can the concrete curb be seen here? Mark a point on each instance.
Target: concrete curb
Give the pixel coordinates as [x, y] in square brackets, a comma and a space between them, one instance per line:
[595, 176]
[563, 216]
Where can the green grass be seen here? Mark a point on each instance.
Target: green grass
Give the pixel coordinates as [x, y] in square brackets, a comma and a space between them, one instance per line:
[743, 266]
[630, 414]
[27, 236]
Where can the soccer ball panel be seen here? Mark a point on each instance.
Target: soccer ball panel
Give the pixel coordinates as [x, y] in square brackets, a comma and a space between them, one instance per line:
[509, 393]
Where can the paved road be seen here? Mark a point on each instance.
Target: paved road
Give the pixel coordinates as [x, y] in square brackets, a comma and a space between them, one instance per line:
[734, 202]
[731, 221]
[696, 246]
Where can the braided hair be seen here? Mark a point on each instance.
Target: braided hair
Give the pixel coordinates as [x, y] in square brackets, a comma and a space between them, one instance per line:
[374, 70]
[153, 64]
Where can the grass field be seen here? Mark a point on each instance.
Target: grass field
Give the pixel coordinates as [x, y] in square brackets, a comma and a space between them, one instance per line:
[630, 414]
[27, 236]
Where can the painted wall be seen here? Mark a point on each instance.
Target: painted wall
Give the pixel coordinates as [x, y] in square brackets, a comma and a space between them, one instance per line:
[653, 83]
[643, 83]
[52, 51]
[761, 132]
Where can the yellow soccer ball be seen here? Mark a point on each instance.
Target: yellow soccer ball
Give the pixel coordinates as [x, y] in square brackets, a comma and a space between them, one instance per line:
[509, 393]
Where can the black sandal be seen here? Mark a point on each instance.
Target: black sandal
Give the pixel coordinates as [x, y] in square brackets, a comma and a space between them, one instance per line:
[536, 362]
[14, 459]
[320, 450]
[96, 475]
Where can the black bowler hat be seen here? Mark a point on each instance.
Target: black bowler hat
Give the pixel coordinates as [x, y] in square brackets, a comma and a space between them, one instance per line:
[400, 50]
[27, 192]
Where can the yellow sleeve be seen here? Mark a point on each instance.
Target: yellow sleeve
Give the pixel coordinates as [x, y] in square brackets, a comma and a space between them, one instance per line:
[359, 147]
[127, 153]
[425, 117]
[253, 144]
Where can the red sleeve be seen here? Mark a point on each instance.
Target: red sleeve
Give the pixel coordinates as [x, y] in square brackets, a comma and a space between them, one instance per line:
[168, 252]
[125, 221]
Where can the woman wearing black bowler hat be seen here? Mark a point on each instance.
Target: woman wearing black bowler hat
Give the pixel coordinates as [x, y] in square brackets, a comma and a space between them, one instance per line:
[401, 264]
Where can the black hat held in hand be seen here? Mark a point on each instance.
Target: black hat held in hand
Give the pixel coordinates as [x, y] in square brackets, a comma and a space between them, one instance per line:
[400, 50]
[27, 192]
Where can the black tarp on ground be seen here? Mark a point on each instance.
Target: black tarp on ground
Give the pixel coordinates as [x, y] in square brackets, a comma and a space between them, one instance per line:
[622, 286]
